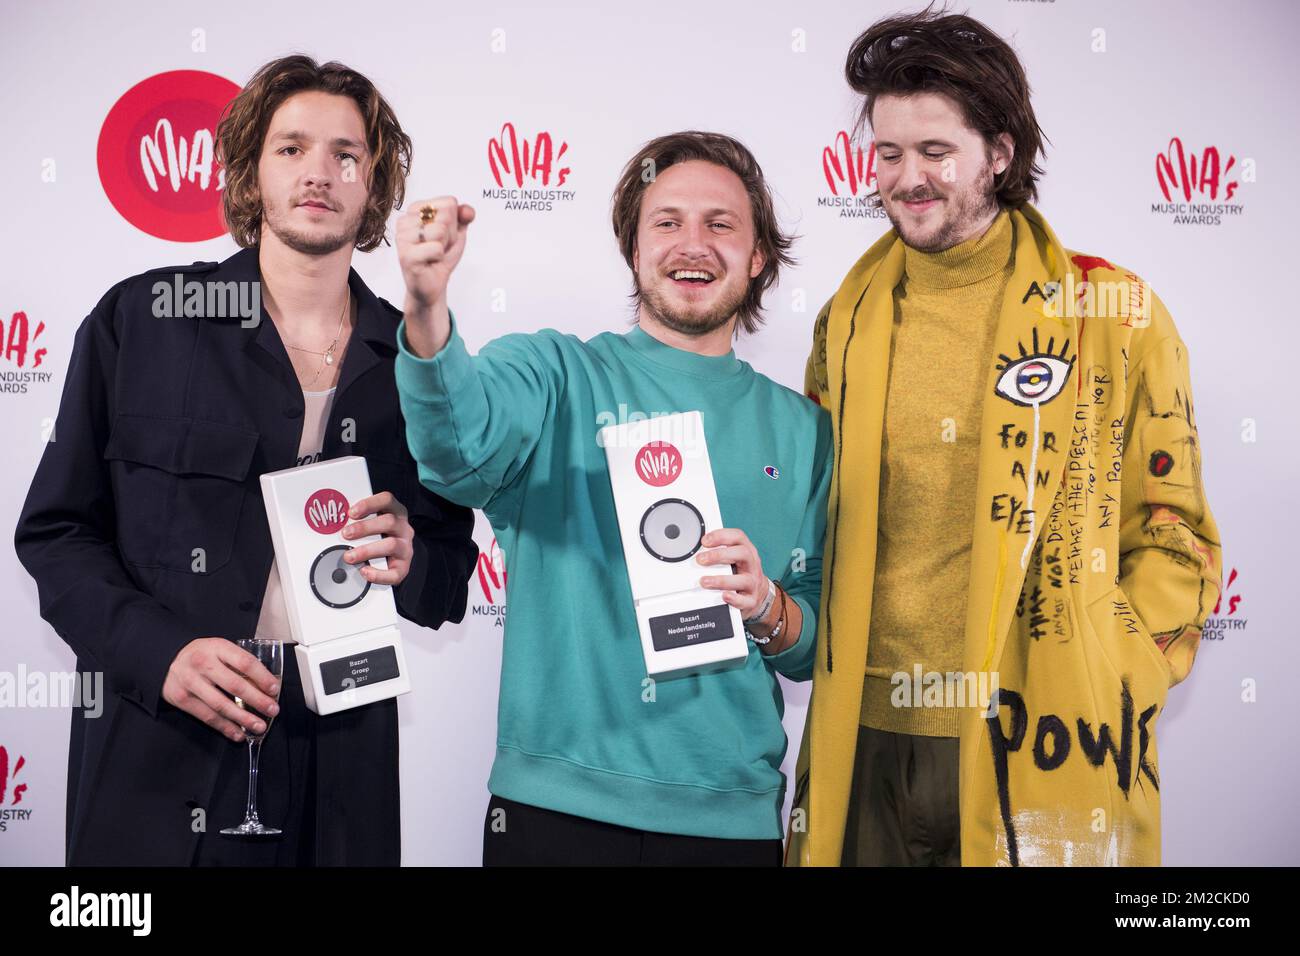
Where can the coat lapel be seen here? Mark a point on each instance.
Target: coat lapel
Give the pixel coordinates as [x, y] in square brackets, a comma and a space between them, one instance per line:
[1026, 430]
[1030, 391]
[857, 357]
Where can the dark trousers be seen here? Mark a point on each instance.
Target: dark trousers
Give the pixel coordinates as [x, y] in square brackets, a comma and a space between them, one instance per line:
[517, 834]
[903, 802]
[286, 796]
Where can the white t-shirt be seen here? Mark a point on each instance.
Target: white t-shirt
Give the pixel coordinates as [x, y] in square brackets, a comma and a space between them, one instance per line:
[273, 622]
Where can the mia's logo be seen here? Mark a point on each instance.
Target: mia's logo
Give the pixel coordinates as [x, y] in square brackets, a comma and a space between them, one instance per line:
[1233, 599]
[512, 158]
[658, 463]
[11, 792]
[7, 777]
[492, 572]
[326, 511]
[1177, 172]
[19, 341]
[1199, 188]
[848, 167]
[528, 175]
[156, 155]
[491, 567]
[850, 173]
[1218, 623]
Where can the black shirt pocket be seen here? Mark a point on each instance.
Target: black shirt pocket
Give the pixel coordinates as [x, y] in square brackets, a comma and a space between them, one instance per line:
[178, 486]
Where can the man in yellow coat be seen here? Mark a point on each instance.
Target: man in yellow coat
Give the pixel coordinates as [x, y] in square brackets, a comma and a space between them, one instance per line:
[1019, 554]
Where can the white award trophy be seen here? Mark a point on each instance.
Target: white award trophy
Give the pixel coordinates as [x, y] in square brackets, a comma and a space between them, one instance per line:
[349, 649]
[666, 500]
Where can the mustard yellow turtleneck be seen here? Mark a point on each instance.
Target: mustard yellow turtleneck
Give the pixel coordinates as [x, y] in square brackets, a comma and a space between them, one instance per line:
[946, 310]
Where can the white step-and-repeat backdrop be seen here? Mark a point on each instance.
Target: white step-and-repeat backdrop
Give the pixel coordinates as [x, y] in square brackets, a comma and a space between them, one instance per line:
[1133, 96]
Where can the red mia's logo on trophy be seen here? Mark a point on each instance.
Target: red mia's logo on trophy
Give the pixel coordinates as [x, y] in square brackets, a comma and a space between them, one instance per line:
[848, 166]
[506, 156]
[326, 511]
[156, 159]
[1183, 173]
[658, 463]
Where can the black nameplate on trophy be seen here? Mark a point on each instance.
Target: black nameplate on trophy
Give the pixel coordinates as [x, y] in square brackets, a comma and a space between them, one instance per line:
[358, 670]
[685, 628]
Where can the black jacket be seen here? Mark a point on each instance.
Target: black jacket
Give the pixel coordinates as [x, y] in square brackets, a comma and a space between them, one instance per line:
[165, 425]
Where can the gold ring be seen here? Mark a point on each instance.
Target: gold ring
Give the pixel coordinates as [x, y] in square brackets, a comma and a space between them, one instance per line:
[428, 214]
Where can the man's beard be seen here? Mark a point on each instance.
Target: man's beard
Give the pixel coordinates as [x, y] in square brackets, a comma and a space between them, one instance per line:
[312, 244]
[692, 323]
[964, 208]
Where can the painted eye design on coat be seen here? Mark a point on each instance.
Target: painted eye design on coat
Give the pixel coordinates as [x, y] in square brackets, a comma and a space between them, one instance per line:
[1036, 377]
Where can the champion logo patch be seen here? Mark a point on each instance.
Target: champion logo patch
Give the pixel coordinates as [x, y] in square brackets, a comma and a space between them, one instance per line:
[772, 472]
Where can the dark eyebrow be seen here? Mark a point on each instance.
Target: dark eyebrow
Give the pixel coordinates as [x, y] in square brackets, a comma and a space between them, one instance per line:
[303, 137]
[674, 211]
[924, 143]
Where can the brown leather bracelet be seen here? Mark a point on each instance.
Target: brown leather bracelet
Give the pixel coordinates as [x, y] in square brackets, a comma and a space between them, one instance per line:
[780, 622]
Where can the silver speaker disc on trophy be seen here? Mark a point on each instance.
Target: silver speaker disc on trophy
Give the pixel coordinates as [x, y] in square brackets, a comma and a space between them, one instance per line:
[335, 582]
[672, 529]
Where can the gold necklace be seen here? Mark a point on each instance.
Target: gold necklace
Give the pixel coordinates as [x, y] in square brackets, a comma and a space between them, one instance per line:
[329, 352]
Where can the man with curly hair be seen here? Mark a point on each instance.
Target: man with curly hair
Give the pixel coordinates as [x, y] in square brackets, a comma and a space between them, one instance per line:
[145, 529]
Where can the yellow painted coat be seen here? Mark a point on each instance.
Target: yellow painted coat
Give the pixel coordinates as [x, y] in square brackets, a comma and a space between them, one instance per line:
[1095, 559]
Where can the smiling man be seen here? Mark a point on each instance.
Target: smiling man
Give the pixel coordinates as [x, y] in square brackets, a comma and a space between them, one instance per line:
[1020, 556]
[595, 763]
[145, 529]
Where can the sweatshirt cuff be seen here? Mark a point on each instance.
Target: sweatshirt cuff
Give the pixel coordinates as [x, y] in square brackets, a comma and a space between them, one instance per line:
[434, 380]
[792, 657]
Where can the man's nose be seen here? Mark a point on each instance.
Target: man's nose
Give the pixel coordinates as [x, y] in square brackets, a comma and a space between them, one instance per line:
[913, 174]
[694, 239]
[317, 172]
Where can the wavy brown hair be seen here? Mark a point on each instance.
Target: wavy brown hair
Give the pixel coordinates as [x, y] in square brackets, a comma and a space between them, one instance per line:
[656, 156]
[243, 126]
[937, 52]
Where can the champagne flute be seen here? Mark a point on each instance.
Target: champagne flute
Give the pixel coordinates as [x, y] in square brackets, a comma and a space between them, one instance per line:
[271, 655]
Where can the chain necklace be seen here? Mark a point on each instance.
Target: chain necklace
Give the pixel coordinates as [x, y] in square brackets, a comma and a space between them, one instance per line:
[329, 352]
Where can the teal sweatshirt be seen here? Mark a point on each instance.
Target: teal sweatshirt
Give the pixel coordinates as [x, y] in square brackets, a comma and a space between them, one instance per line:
[580, 727]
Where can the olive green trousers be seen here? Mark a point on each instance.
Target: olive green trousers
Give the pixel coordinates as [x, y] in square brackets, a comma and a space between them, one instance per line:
[903, 802]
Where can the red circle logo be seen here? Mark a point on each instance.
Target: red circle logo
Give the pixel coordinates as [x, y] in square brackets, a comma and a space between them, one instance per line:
[156, 155]
[326, 511]
[658, 463]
